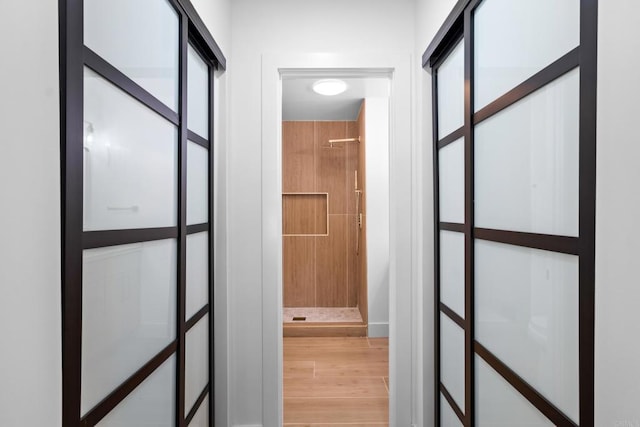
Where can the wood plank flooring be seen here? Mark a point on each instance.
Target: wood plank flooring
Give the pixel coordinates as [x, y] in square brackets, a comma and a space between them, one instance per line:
[336, 382]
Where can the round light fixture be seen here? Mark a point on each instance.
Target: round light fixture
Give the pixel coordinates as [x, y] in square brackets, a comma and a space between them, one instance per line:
[329, 87]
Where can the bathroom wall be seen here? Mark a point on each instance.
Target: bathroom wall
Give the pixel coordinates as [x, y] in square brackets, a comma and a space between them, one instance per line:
[375, 123]
[321, 268]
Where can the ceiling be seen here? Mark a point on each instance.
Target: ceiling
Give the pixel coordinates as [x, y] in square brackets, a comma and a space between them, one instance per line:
[300, 102]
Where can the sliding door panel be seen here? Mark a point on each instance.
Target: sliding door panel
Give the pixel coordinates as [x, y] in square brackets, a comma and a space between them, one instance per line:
[514, 113]
[452, 359]
[139, 38]
[500, 405]
[513, 40]
[451, 92]
[197, 184]
[130, 161]
[198, 94]
[448, 417]
[526, 163]
[451, 180]
[452, 271]
[201, 418]
[527, 315]
[129, 312]
[150, 404]
[196, 362]
[197, 273]
[137, 89]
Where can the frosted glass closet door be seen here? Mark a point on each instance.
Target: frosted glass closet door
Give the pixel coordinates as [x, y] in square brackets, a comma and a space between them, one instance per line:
[451, 92]
[129, 311]
[452, 271]
[527, 315]
[140, 38]
[452, 359]
[499, 404]
[198, 94]
[526, 180]
[150, 404]
[196, 362]
[526, 163]
[197, 184]
[513, 40]
[451, 182]
[197, 272]
[450, 79]
[201, 418]
[130, 161]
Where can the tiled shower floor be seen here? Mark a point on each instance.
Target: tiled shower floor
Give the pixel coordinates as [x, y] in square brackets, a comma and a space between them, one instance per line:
[322, 314]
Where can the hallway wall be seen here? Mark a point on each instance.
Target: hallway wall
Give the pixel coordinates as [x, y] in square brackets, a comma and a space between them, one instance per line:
[282, 26]
[30, 319]
[617, 375]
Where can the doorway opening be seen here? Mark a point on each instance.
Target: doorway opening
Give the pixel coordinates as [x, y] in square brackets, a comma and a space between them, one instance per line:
[335, 250]
[405, 339]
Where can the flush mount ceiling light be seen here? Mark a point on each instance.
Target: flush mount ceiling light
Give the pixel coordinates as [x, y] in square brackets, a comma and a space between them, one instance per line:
[329, 87]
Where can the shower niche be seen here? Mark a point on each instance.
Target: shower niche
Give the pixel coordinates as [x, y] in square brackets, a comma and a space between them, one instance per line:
[324, 223]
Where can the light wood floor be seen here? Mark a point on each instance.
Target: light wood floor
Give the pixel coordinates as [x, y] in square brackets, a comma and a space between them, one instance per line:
[336, 382]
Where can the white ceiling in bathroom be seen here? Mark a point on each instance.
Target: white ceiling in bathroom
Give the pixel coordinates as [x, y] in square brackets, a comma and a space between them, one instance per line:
[300, 102]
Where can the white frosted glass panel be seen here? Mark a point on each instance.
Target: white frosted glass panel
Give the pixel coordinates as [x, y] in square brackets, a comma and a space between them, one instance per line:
[452, 270]
[526, 163]
[500, 405]
[450, 77]
[452, 359]
[196, 361]
[513, 40]
[152, 403]
[139, 38]
[197, 272]
[197, 184]
[128, 312]
[448, 418]
[451, 182]
[201, 418]
[197, 94]
[527, 315]
[130, 161]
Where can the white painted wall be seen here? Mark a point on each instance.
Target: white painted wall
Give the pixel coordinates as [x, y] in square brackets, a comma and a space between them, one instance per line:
[30, 317]
[377, 197]
[216, 15]
[429, 16]
[282, 26]
[617, 374]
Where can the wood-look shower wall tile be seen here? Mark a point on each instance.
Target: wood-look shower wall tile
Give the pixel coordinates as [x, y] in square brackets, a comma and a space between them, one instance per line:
[331, 264]
[352, 165]
[298, 255]
[298, 157]
[331, 165]
[353, 263]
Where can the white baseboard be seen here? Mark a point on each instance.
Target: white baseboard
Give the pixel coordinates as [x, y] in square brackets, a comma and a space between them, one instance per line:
[378, 329]
[247, 425]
